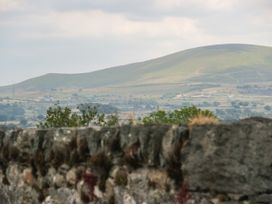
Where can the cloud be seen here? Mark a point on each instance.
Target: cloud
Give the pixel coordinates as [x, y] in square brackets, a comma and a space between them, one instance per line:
[98, 24]
[9, 5]
[173, 5]
[158, 19]
[139, 9]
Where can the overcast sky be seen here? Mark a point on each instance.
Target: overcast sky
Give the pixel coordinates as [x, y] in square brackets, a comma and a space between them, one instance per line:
[72, 36]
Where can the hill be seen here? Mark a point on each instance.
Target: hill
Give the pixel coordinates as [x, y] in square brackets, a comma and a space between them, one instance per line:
[226, 63]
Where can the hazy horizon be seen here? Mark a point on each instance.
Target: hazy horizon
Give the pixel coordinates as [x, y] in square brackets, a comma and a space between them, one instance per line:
[39, 37]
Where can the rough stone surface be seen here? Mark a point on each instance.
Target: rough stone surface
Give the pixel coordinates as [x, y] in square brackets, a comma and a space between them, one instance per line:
[234, 158]
[216, 164]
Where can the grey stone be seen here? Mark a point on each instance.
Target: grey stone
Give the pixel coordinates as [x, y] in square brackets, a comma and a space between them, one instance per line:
[234, 158]
[205, 201]
[262, 199]
[218, 164]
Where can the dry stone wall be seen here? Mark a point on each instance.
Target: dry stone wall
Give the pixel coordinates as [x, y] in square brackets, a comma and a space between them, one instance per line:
[215, 164]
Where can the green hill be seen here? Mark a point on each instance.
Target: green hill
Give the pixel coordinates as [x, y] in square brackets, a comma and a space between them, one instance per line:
[226, 63]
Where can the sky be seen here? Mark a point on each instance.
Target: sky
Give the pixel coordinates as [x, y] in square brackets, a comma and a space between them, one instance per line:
[75, 36]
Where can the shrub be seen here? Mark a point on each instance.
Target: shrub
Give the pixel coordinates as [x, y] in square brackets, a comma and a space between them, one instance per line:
[178, 117]
[203, 120]
[112, 120]
[158, 117]
[58, 116]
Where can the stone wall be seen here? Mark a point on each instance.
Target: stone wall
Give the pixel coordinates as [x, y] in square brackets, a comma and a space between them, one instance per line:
[226, 163]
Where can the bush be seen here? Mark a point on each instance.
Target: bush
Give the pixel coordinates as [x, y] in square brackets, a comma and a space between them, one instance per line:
[57, 117]
[202, 120]
[178, 117]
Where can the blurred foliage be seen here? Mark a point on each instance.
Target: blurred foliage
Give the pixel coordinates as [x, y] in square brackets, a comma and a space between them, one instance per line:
[58, 116]
[180, 116]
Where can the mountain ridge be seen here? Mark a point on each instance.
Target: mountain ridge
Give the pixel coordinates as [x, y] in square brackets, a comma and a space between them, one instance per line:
[233, 62]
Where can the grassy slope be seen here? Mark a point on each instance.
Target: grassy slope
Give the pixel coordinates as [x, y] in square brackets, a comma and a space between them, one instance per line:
[230, 63]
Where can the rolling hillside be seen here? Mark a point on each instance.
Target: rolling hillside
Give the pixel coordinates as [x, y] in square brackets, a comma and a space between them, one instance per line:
[227, 63]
